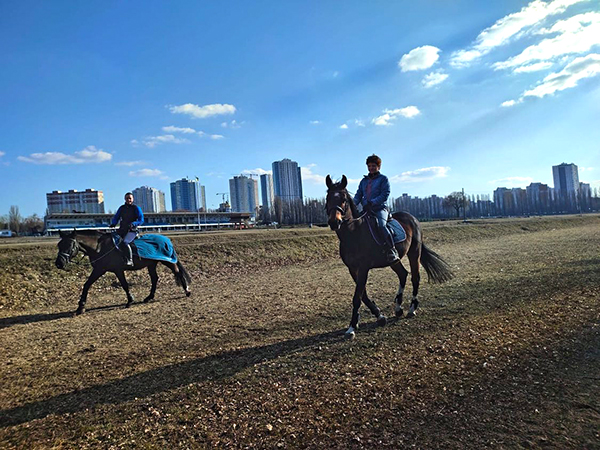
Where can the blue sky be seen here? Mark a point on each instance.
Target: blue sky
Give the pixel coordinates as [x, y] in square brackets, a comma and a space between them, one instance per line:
[450, 94]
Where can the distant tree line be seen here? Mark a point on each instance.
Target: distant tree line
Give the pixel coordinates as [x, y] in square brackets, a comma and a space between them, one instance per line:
[21, 225]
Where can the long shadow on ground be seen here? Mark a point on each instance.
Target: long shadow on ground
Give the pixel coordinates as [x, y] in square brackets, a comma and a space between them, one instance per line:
[7, 322]
[162, 379]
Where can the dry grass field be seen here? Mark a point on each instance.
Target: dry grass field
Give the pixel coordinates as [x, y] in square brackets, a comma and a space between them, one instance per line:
[506, 355]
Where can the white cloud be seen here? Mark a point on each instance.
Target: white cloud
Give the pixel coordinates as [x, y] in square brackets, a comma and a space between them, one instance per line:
[129, 163]
[2, 154]
[344, 126]
[202, 112]
[359, 123]
[511, 182]
[232, 124]
[172, 129]
[576, 35]
[580, 68]
[89, 155]
[585, 169]
[315, 122]
[258, 171]
[216, 137]
[425, 174]
[148, 173]
[509, 103]
[433, 79]
[512, 25]
[533, 67]
[135, 142]
[419, 58]
[308, 175]
[153, 141]
[390, 115]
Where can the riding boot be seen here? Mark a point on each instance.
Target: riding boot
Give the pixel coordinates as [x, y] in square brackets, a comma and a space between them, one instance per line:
[126, 249]
[391, 254]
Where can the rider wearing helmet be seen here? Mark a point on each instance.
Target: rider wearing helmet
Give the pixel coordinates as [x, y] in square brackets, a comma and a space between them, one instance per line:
[131, 217]
[373, 192]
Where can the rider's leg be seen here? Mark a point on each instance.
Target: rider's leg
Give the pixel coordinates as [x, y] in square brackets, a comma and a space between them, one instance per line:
[388, 240]
[127, 248]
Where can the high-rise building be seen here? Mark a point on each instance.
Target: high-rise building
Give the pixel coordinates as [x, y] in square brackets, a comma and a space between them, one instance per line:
[88, 201]
[287, 180]
[266, 190]
[566, 178]
[184, 195]
[244, 194]
[150, 199]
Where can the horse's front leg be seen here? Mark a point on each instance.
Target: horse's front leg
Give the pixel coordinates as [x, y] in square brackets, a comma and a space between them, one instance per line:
[121, 276]
[381, 319]
[96, 273]
[361, 283]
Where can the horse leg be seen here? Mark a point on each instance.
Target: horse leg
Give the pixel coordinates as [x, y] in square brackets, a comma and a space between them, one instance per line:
[96, 273]
[381, 319]
[414, 257]
[402, 275]
[121, 276]
[154, 279]
[361, 282]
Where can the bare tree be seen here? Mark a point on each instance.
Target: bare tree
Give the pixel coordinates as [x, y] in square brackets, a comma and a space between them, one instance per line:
[456, 201]
[14, 218]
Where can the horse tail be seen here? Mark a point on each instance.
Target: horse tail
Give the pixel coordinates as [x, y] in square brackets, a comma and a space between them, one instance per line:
[184, 273]
[437, 269]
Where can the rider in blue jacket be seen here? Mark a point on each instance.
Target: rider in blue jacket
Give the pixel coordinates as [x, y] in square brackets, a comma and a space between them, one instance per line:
[373, 192]
[131, 216]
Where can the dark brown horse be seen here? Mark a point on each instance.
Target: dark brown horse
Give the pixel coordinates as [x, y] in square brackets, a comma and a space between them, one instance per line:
[105, 257]
[361, 253]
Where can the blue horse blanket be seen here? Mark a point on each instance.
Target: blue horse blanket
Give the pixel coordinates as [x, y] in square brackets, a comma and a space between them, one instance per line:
[397, 231]
[152, 246]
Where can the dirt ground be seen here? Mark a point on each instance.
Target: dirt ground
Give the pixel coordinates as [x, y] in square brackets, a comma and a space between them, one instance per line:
[506, 355]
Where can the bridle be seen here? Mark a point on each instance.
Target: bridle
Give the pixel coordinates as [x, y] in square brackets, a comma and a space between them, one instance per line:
[339, 208]
[72, 251]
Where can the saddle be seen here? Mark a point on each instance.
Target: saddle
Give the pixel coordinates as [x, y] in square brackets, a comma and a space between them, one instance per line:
[396, 230]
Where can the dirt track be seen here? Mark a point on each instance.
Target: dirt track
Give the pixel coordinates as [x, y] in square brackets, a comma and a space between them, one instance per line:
[504, 356]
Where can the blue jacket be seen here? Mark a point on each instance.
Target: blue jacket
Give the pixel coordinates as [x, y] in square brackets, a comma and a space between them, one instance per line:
[375, 189]
[129, 215]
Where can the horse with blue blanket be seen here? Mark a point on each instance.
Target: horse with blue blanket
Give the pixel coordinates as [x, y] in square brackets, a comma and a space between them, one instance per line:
[105, 256]
[360, 250]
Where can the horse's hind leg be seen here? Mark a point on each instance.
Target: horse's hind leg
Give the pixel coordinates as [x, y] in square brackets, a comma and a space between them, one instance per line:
[154, 280]
[414, 257]
[402, 275]
[121, 276]
[381, 319]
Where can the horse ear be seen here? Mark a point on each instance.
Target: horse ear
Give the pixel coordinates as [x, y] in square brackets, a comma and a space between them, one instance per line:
[328, 182]
[344, 182]
[74, 233]
[61, 234]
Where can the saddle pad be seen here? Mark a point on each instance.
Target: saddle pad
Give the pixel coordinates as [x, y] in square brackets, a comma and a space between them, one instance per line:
[154, 246]
[397, 231]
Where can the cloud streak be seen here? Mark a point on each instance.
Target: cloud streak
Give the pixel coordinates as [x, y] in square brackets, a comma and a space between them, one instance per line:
[421, 175]
[390, 115]
[89, 155]
[203, 112]
[419, 58]
[148, 173]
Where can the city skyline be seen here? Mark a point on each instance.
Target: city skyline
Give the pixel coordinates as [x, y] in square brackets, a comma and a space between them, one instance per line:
[449, 95]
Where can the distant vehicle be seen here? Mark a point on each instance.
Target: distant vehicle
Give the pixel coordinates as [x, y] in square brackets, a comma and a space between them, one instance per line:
[6, 233]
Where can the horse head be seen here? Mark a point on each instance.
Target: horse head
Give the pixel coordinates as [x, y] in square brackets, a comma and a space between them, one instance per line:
[337, 202]
[67, 249]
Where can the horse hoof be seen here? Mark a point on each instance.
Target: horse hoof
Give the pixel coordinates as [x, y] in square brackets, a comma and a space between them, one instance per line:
[399, 313]
[147, 299]
[411, 314]
[349, 335]
[188, 293]
[79, 311]
[382, 321]
[128, 305]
